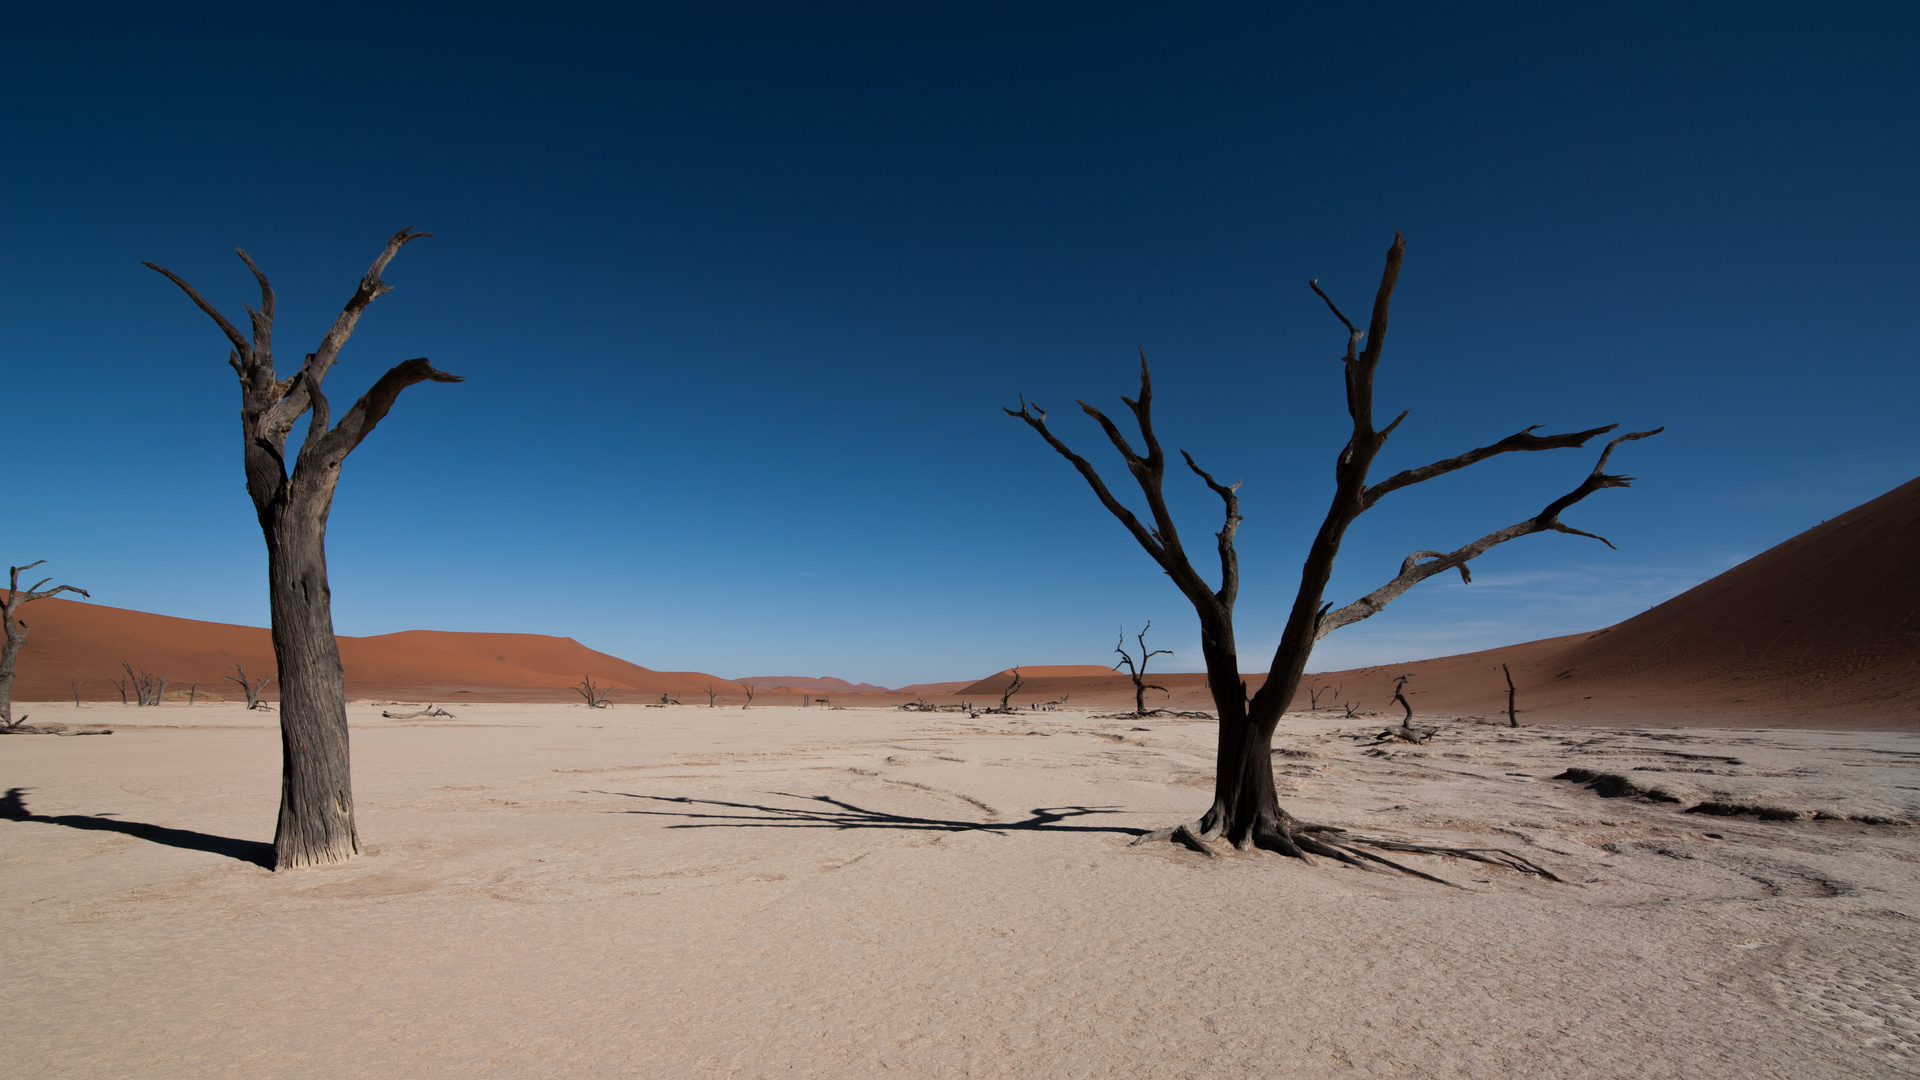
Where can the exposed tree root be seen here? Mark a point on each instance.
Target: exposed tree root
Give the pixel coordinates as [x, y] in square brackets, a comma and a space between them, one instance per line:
[1303, 841]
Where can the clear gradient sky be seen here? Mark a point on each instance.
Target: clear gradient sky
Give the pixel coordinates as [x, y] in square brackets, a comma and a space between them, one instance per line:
[739, 291]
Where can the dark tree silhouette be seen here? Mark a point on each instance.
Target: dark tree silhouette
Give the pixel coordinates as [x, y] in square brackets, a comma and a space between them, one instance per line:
[249, 687]
[292, 500]
[596, 695]
[1245, 808]
[1139, 672]
[17, 632]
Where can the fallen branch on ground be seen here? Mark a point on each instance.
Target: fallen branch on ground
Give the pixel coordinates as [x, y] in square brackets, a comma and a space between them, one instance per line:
[428, 711]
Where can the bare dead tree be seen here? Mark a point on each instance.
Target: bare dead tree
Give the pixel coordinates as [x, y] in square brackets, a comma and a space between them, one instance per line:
[749, 689]
[1513, 714]
[1400, 698]
[193, 691]
[248, 686]
[712, 696]
[1013, 686]
[596, 696]
[1139, 673]
[120, 685]
[1245, 808]
[17, 631]
[148, 688]
[1313, 695]
[292, 501]
[76, 693]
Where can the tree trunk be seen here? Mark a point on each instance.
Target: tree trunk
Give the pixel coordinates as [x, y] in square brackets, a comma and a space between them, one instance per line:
[316, 784]
[8, 653]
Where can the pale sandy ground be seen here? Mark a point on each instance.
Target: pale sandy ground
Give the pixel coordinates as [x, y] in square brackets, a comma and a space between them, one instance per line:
[553, 892]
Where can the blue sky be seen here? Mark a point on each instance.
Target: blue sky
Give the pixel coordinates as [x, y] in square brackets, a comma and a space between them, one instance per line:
[739, 292]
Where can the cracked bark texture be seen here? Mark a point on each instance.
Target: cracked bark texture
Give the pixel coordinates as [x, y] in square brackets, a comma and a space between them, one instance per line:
[1245, 807]
[292, 501]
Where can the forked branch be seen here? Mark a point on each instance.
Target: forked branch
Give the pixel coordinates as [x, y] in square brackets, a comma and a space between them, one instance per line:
[1162, 541]
[1422, 565]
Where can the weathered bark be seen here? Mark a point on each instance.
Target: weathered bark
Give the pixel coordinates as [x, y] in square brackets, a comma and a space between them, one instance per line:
[16, 631]
[1245, 808]
[316, 824]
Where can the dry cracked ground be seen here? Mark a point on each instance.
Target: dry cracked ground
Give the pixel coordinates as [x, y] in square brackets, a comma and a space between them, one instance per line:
[550, 891]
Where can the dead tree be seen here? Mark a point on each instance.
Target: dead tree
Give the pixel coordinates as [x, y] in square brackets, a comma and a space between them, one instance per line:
[148, 688]
[1400, 697]
[1139, 673]
[291, 499]
[712, 696]
[17, 632]
[1513, 714]
[248, 686]
[1016, 684]
[76, 693]
[1313, 696]
[749, 689]
[596, 696]
[1245, 808]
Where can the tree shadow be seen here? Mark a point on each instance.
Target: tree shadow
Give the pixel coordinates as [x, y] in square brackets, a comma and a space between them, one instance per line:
[826, 812]
[13, 807]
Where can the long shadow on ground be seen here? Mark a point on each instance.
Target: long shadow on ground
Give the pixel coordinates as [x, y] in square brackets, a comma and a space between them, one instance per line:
[13, 807]
[826, 812]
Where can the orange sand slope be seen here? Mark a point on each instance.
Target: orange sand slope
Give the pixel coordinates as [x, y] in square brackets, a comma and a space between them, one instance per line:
[69, 640]
[822, 684]
[1822, 630]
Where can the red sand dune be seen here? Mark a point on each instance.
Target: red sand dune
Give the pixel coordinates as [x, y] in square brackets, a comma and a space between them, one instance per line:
[823, 684]
[1820, 631]
[69, 640]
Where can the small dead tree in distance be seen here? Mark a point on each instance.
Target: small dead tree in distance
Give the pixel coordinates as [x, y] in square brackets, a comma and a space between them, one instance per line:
[1139, 674]
[248, 686]
[749, 689]
[1016, 684]
[1246, 808]
[1400, 699]
[1313, 695]
[316, 823]
[596, 696]
[1513, 714]
[712, 696]
[148, 688]
[17, 632]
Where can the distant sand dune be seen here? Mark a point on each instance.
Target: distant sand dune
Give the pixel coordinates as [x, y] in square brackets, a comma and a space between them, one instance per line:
[1822, 630]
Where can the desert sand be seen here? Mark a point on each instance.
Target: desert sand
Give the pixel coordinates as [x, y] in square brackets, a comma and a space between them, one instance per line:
[549, 891]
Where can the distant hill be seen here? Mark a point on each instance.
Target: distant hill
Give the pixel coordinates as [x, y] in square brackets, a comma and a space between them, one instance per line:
[824, 684]
[68, 640]
[1821, 630]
